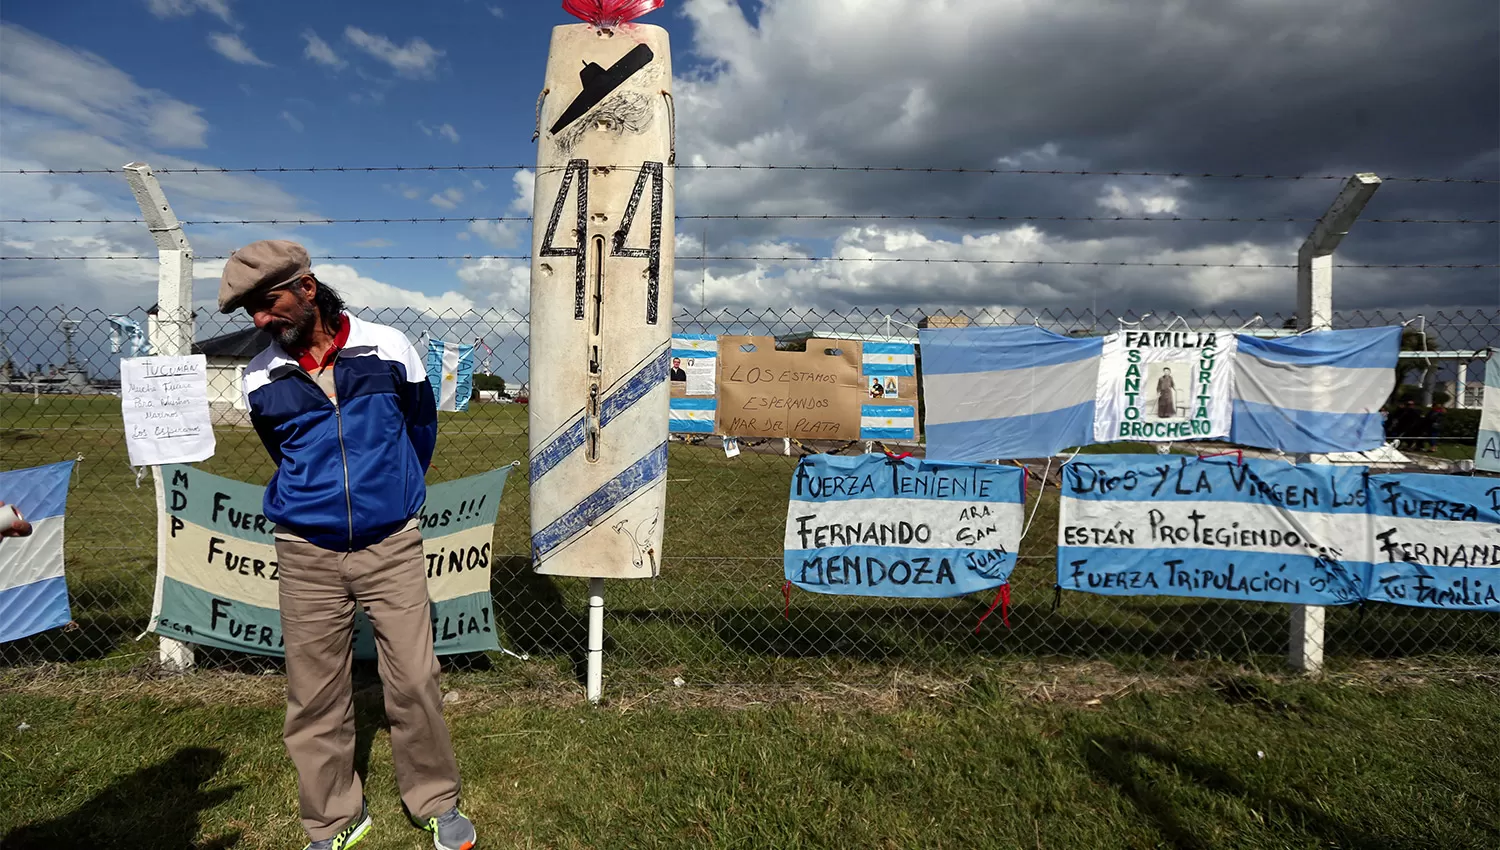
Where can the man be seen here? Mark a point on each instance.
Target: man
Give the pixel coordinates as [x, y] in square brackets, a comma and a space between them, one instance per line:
[678, 373]
[344, 408]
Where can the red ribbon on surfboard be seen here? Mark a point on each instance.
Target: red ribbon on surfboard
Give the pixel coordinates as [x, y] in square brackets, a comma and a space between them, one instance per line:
[609, 13]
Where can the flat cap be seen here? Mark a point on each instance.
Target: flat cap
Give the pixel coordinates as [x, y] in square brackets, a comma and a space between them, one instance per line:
[260, 266]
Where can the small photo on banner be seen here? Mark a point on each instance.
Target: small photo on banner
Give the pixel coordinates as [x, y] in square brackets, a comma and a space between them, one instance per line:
[218, 584]
[890, 359]
[1435, 541]
[1487, 447]
[693, 375]
[33, 590]
[1257, 530]
[875, 525]
[888, 422]
[450, 370]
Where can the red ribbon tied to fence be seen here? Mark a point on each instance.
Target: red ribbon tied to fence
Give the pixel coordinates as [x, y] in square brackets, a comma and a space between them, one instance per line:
[609, 13]
[1002, 600]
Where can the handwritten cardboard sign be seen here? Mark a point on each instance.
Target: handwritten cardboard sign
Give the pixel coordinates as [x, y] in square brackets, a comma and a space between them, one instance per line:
[871, 525]
[1147, 525]
[810, 395]
[164, 401]
[218, 584]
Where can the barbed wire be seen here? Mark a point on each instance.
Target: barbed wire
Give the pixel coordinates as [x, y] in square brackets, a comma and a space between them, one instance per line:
[816, 259]
[365, 169]
[768, 217]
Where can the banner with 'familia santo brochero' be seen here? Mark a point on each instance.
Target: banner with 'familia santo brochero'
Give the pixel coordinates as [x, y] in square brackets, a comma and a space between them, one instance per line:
[217, 585]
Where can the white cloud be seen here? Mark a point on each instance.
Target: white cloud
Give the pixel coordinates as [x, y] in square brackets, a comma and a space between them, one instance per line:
[367, 293]
[41, 76]
[496, 11]
[184, 8]
[501, 234]
[1148, 201]
[232, 48]
[416, 60]
[478, 185]
[498, 283]
[291, 120]
[447, 199]
[524, 183]
[320, 52]
[444, 130]
[374, 243]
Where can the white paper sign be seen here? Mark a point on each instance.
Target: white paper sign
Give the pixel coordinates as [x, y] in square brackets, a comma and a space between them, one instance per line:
[165, 403]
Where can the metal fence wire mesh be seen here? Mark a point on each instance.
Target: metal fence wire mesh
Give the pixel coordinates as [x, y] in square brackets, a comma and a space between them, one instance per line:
[716, 613]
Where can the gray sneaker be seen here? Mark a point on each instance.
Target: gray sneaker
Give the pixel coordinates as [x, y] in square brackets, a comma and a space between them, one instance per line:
[452, 830]
[349, 835]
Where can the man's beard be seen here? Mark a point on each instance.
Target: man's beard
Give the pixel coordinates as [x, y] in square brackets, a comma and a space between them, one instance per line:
[294, 333]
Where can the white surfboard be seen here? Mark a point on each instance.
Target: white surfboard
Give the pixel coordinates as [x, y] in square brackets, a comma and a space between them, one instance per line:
[601, 303]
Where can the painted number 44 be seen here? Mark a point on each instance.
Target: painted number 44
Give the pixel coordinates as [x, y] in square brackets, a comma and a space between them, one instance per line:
[575, 182]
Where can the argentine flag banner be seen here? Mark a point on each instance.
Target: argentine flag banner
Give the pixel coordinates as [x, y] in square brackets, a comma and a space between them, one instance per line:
[1164, 525]
[875, 525]
[1007, 392]
[692, 415]
[1315, 393]
[450, 369]
[890, 358]
[33, 592]
[1024, 392]
[888, 422]
[1435, 541]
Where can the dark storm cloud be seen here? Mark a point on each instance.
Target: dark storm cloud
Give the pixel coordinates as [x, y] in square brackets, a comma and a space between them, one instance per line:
[1232, 87]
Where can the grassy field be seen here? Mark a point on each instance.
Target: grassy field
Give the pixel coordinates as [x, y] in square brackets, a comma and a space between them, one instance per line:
[1362, 762]
[1093, 722]
[716, 614]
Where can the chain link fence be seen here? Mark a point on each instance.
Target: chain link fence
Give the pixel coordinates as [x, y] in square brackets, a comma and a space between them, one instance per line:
[716, 613]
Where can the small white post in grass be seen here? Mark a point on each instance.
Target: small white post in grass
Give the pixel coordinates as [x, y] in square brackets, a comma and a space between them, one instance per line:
[1315, 313]
[595, 675]
[171, 334]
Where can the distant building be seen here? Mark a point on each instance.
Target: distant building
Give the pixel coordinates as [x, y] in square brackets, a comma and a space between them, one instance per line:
[227, 356]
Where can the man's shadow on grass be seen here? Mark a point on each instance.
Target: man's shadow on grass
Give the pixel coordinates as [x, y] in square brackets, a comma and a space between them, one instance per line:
[156, 807]
[1123, 762]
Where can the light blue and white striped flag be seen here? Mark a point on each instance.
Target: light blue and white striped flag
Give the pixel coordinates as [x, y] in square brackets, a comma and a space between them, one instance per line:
[693, 415]
[888, 422]
[890, 358]
[1319, 392]
[1015, 392]
[1007, 392]
[1487, 449]
[33, 592]
[450, 370]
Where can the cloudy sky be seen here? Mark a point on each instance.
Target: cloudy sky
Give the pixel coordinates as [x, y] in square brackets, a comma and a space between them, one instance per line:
[1227, 87]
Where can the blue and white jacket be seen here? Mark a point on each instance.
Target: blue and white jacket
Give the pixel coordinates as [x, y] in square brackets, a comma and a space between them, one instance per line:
[350, 471]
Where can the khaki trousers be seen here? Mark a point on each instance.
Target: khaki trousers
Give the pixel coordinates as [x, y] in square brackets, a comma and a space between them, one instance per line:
[318, 592]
